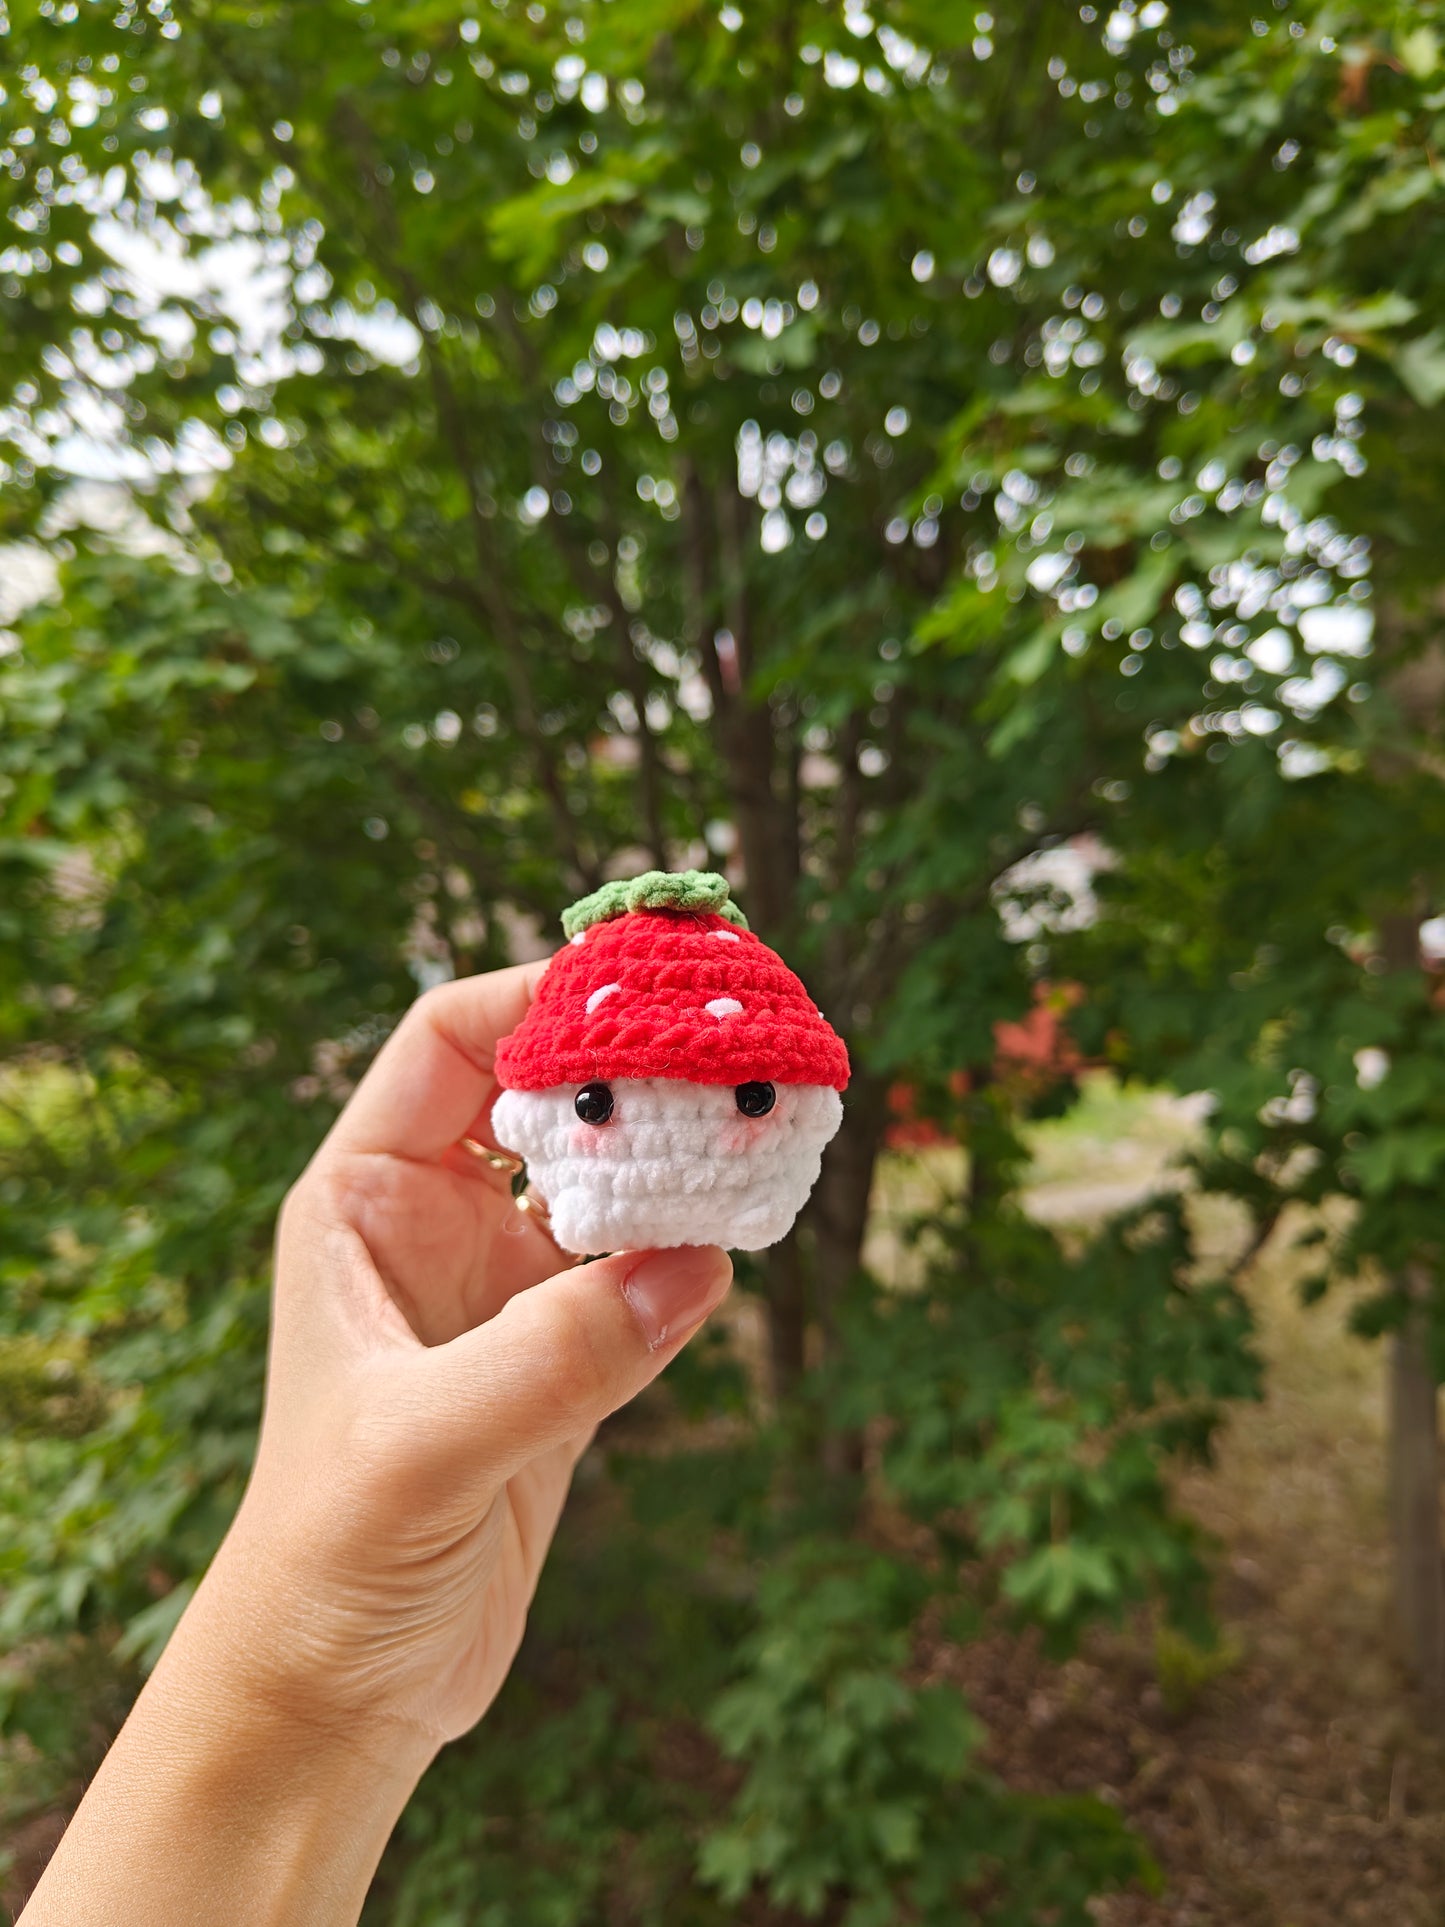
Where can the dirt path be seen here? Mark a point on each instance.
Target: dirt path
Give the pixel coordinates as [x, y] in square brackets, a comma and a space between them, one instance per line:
[1297, 1786]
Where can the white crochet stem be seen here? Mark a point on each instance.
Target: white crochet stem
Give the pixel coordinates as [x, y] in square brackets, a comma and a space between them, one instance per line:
[675, 1164]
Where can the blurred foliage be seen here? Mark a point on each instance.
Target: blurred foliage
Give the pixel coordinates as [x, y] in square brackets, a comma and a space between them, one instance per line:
[1187, 1669]
[1028, 1422]
[935, 461]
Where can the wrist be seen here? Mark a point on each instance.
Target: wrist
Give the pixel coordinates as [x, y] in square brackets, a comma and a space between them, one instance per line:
[275, 1661]
[221, 1783]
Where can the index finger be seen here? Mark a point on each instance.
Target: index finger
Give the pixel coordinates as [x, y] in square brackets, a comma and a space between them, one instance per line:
[433, 1076]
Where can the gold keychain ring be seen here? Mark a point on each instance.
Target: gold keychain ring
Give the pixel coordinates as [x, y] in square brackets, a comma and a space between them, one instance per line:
[497, 1160]
[526, 1202]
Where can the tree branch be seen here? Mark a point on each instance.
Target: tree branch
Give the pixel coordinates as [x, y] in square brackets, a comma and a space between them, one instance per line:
[354, 131]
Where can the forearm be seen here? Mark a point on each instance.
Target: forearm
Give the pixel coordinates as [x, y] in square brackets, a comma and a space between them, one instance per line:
[214, 1810]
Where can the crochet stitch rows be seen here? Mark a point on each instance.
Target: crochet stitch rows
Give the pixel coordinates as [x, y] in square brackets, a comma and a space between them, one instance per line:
[674, 1164]
[672, 994]
[654, 890]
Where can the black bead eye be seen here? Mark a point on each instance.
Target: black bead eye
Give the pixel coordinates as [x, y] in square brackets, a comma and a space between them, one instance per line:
[755, 1100]
[594, 1103]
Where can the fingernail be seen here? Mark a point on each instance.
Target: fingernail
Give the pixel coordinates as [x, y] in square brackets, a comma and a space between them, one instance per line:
[672, 1291]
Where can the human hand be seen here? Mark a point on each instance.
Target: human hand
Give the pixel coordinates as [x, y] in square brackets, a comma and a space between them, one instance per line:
[433, 1379]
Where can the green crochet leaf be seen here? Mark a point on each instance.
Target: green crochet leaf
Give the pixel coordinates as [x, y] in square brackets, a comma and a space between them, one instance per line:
[654, 890]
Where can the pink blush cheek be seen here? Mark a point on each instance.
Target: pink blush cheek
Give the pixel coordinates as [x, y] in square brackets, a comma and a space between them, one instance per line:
[741, 1135]
[588, 1140]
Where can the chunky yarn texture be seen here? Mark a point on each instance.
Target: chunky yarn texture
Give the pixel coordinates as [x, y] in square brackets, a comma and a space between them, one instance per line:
[654, 890]
[670, 993]
[663, 995]
[676, 1164]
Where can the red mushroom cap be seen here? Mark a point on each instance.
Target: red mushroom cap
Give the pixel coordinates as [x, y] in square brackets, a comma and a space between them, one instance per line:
[670, 993]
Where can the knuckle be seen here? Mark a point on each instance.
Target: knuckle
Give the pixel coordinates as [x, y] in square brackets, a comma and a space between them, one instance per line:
[296, 1206]
[583, 1381]
[433, 1007]
[424, 1006]
[313, 1197]
[427, 1011]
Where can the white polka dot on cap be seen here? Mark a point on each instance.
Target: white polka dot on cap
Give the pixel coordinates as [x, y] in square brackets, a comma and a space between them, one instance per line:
[600, 996]
[721, 1007]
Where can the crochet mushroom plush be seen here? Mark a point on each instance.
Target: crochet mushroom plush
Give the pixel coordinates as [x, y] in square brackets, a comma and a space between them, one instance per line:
[672, 1083]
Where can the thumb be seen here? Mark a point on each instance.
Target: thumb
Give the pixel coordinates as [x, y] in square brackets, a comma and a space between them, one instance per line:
[558, 1358]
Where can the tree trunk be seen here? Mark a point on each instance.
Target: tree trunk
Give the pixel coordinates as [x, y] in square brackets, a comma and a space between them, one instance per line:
[828, 1252]
[839, 1211]
[1415, 1503]
[839, 1221]
[1414, 1441]
[787, 1296]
